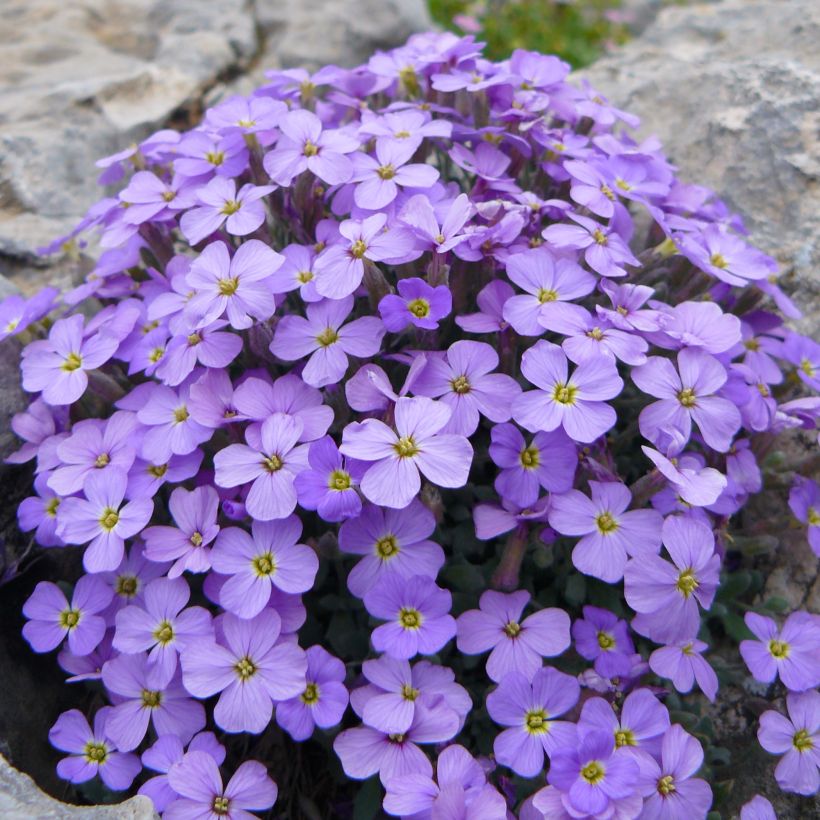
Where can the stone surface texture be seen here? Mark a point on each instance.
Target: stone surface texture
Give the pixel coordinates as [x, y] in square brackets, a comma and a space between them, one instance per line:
[733, 91]
[20, 799]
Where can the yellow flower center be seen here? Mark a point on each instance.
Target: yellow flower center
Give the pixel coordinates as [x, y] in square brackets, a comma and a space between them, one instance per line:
[231, 206]
[687, 583]
[410, 618]
[751, 344]
[607, 192]
[72, 362]
[386, 171]
[564, 393]
[156, 354]
[606, 523]
[593, 772]
[215, 157]
[245, 668]
[151, 698]
[409, 693]
[605, 640]
[687, 397]
[536, 722]
[599, 236]
[387, 546]
[396, 738]
[327, 337]
[718, 260]
[272, 463]
[158, 470]
[623, 184]
[310, 149]
[339, 480]
[805, 365]
[624, 737]
[512, 629]
[221, 806]
[779, 649]
[51, 507]
[127, 585]
[666, 785]
[109, 519]
[802, 741]
[460, 385]
[813, 517]
[181, 414]
[530, 457]
[196, 539]
[164, 633]
[102, 460]
[420, 308]
[95, 752]
[169, 196]
[311, 695]
[264, 565]
[547, 295]
[69, 618]
[406, 447]
[596, 333]
[304, 276]
[228, 287]
[358, 249]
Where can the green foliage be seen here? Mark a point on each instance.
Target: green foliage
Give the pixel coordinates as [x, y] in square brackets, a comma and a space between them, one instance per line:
[577, 31]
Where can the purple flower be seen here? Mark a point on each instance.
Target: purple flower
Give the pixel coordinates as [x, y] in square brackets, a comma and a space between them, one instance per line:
[322, 703]
[52, 619]
[392, 542]
[549, 461]
[129, 579]
[670, 792]
[516, 645]
[682, 663]
[234, 286]
[667, 594]
[490, 300]
[417, 446]
[17, 312]
[417, 614]
[725, 256]
[270, 557]
[329, 485]
[420, 215]
[58, 366]
[611, 534]
[545, 280]
[461, 792]
[340, 268]
[131, 680]
[379, 177]
[464, 381]
[686, 398]
[594, 774]
[604, 249]
[364, 751]
[792, 653]
[219, 202]
[804, 501]
[703, 325]
[696, 485]
[101, 519]
[250, 667]
[305, 146]
[150, 199]
[758, 808]
[161, 625]
[194, 512]
[327, 340]
[246, 115]
[530, 709]
[576, 403]
[91, 752]
[604, 638]
[197, 780]
[417, 304]
[207, 346]
[270, 460]
[199, 154]
[642, 723]
[39, 512]
[407, 127]
[394, 690]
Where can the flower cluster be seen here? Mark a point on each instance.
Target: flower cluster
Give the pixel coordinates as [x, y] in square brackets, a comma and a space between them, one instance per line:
[342, 317]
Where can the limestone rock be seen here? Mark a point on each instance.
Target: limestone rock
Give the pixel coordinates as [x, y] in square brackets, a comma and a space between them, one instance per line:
[732, 90]
[20, 799]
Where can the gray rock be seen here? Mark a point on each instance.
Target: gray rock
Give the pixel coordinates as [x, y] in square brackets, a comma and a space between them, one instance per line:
[732, 90]
[20, 799]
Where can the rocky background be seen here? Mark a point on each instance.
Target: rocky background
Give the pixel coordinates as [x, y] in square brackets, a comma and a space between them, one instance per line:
[732, 88]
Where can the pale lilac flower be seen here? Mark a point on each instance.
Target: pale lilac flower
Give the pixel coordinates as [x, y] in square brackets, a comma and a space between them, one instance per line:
[627, 312]
[91, 752]
[39, 512]
[758, 808]
[161, 626]
[611, 533]
[129, 579]
[391, 542]
[17, 312]
[58, 366]
[725, 256]
[52, 619]
[670, 791]
[549, 461]
[804, 353]
[666, 595]
[146, 476]
[269, 462]
[207, 346]
[329, 484]
[199, 154]
[545, 279]
[247, 115]
[197, 780]
[210, 401]
[640, 727]
[149, 198]
[379, 177]
[464, 381]
[490, 318]
[422, 217]
[792, 652]
[250, 667]
[604, 638]
[325, 337]
[696, 485]
[417, 614]
[804, 501]
[296, 272]
[35, 425]
[576, 403]
[408, 127]
[682, 663]
[323, 701]
[269, 557]
[686, 398]
[530, 709]
[169, 708]
[417, 304]
[461, 791]
[235, 286]
[418, 446]
[365, 751]
[516, 644]
[101, 519]
[218, 202]
[703, 325]
[305, 146]
[369, 389]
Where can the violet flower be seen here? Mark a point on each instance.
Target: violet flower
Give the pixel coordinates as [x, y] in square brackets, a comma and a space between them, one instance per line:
[417, 304]
[682, 663]
[604, 638]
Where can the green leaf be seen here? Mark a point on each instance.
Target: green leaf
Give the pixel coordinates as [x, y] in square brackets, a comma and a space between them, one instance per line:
[576, 589]
[736, 627]
[776, 604]
[368, 800]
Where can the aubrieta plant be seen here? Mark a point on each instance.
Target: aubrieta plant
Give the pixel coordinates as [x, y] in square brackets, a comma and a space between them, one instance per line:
[411, 409]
